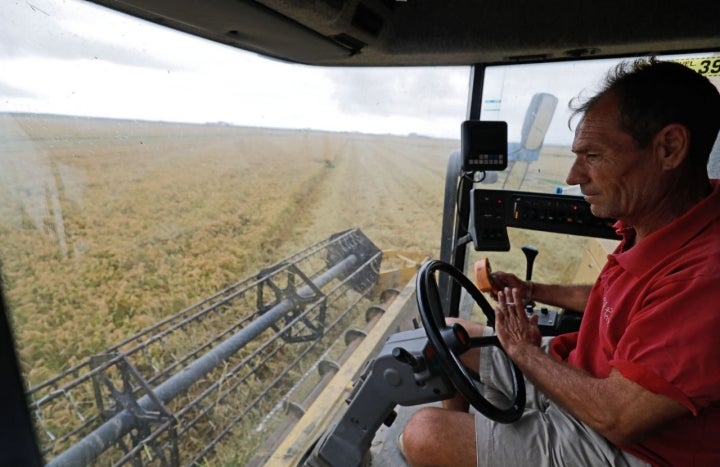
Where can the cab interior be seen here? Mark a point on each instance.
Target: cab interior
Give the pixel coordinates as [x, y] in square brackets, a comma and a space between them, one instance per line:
[521, 62]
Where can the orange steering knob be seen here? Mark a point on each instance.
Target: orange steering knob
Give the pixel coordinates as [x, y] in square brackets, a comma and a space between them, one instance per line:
[482, 276]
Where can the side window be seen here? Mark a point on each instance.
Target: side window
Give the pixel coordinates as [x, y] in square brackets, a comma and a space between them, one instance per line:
[534, 100]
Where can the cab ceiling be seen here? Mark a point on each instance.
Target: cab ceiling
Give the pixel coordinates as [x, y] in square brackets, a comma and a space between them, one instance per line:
[439, 32]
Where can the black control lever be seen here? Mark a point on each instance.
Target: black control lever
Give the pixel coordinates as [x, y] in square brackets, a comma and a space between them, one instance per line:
[546, 320]
[402, 355]
[551, 323]
[530, 253]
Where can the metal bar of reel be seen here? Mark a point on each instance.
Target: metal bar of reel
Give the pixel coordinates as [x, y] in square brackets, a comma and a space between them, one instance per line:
[96, 442]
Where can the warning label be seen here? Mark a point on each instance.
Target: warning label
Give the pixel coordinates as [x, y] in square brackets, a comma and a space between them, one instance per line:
[708, 66]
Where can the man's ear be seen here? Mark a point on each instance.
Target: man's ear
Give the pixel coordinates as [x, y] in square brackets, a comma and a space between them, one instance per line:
[672, 144]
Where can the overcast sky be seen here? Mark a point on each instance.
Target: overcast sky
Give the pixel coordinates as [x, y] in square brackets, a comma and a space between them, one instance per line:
[73, 57]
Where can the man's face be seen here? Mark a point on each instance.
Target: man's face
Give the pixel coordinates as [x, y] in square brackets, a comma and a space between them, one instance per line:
[617, 178]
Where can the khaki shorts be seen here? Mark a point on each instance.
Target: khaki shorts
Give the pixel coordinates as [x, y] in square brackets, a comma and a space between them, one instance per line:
[546, 435]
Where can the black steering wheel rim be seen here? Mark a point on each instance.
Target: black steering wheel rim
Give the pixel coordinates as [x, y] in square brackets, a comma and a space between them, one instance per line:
[433, 318]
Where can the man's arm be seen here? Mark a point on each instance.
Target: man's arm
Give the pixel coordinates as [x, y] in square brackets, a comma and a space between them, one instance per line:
[618, 408]
[571, 297]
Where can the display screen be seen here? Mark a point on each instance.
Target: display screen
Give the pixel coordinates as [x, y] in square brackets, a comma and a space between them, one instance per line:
[484, 145]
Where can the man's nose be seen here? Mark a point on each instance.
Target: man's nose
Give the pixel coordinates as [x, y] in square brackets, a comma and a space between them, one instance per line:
[577, 174]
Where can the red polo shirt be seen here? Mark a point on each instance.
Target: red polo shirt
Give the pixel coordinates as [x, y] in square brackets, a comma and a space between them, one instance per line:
[654, 315]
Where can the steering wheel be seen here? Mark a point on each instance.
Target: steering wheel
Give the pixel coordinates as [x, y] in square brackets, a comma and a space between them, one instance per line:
[450, 342]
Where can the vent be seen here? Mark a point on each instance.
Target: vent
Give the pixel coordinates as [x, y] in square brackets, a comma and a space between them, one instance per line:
[367, 20]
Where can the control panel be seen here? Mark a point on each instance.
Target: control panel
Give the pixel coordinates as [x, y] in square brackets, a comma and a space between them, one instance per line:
[493, 211]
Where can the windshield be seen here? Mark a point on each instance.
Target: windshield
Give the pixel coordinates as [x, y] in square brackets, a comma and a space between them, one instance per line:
[144, 170]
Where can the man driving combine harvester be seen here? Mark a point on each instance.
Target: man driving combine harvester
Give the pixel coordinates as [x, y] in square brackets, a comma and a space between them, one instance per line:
[640, 382]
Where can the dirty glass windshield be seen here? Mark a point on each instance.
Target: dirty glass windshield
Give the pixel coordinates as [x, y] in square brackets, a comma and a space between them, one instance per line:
[148, 176]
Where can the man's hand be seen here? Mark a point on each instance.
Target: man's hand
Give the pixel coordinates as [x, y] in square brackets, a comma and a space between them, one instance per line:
[501, 280]
[512, 325]
[618, 408]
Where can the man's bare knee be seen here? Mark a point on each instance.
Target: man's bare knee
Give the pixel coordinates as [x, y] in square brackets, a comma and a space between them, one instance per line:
[435, 436]
[420, 435]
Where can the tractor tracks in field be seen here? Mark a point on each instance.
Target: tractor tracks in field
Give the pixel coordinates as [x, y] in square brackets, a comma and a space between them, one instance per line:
[385, 188]
[294, 216]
